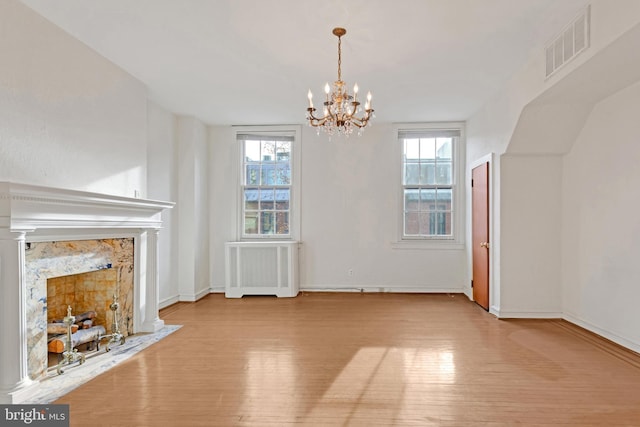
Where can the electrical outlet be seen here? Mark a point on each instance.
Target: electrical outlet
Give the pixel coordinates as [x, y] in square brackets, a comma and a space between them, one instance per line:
[350, 272]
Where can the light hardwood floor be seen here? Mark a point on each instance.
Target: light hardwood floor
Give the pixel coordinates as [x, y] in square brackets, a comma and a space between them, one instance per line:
[344, 359]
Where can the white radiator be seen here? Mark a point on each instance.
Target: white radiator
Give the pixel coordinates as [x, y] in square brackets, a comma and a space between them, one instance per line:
[261, 268]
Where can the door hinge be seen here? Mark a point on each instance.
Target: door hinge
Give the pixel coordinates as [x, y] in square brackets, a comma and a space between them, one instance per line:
[472, 283]
[472, 182]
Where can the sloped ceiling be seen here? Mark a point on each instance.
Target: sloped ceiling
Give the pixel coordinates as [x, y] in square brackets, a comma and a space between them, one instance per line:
[252, 61]
[551, 122]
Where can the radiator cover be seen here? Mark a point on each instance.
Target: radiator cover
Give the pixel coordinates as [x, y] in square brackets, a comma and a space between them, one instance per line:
[261, 268]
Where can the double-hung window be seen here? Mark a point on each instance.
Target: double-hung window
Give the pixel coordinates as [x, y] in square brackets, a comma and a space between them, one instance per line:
[429, 168]
[267, 182]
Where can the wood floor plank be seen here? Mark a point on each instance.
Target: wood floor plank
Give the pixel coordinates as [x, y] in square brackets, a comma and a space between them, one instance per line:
[342, 359]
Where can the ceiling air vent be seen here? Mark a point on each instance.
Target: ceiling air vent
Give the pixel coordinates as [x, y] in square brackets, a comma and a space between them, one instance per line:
[573, 39]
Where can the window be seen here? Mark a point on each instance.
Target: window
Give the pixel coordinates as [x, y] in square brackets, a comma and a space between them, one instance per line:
[428, 183]
[266, 187]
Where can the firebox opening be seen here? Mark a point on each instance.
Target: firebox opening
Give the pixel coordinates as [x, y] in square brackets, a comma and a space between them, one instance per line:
[89, 295]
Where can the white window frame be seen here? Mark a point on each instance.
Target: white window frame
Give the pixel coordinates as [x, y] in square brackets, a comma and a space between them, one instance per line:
[294, 202]
[456, 239]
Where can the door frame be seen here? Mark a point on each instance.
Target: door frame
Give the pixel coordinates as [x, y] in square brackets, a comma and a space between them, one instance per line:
[494, 294]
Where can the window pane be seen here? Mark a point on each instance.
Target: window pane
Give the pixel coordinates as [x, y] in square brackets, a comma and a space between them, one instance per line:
[283, 151]
[444, 148]
[411, 149]
[447, 218]
[427, 199]
[252, 151]
[268, 151]
[267, 198]
[444, 199]
[427, 148]
[268, 174]
[427, 173]
[252, 176]
[443, 173]
[411, 224]
[426, 228]
[251, 199]
[411, 201]
[282, 222]
[282, 200]
[412, 173]
[283, 174]
[251, 222]
[443, 226]
[267, 222]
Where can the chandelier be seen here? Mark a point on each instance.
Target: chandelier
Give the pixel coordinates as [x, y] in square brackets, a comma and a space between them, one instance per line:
[341, 109]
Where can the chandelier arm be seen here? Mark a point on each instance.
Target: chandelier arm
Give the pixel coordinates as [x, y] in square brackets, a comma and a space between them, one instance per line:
[362, 121]
[329, 112]
[354, 106]
[317, 122]
[359, 122]
[311, 116]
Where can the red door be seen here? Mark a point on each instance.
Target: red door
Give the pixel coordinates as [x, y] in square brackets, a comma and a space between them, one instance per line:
[480, 233]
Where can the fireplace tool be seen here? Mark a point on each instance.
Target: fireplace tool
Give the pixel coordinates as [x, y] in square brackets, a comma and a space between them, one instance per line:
[70, 354]
[115, 335]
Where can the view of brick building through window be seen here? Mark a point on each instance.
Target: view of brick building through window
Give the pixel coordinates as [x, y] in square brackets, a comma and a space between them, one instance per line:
[427, 186]
[266, 192]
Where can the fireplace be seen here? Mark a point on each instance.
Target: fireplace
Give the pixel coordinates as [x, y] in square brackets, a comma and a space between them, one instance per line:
[48, 233]
[84, 275]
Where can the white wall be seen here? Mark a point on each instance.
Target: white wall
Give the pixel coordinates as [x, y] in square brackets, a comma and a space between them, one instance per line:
[68, 117]
[531, 215]
[349, 216]
[601, 230]
[202, 218]
[193, 203]
[162, 179]
[223, 180]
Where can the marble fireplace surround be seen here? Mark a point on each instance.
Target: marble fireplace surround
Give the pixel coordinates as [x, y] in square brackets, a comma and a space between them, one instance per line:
[31, 213]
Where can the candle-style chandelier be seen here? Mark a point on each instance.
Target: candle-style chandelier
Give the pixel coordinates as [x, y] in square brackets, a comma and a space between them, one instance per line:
[341, 109]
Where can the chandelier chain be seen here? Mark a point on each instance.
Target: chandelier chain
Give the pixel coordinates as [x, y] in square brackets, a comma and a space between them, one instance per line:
[339, 58]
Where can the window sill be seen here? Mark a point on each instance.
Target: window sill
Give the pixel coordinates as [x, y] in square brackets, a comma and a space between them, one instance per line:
[431, 244]
[267, 239]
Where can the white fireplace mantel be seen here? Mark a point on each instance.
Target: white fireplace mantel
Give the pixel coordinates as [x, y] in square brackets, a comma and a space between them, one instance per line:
[28, 207]
[36, 213]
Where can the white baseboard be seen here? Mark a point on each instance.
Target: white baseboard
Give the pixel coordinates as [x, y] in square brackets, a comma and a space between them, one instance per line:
[195, 297]
[381, 289]
[611, 336]
[168, 301]
[495, 310]
[515, 314]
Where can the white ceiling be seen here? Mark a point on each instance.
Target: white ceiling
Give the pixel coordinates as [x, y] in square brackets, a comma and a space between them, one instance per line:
[252, 61]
